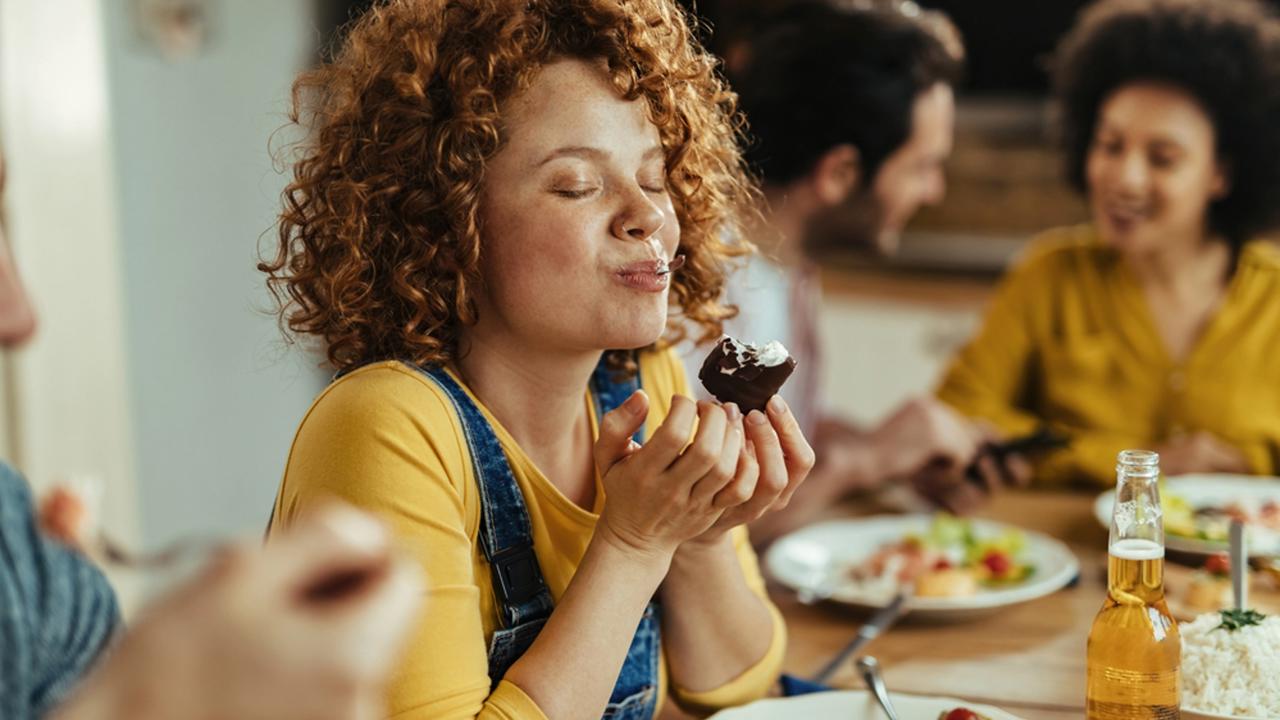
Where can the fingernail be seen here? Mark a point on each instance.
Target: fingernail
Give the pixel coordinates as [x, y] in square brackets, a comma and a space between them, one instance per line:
[755, 417]
[777, 405]
[634, 402]
[732, 411]
[357, 529]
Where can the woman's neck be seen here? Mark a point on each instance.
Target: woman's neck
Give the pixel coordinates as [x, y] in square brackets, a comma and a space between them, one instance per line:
[1184, 270]
[536, 395]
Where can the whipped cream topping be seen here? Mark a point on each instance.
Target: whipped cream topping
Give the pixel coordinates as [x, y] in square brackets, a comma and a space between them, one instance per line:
[771, 354]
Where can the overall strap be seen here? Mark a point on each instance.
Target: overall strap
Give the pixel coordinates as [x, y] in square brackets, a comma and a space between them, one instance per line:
[506, 534]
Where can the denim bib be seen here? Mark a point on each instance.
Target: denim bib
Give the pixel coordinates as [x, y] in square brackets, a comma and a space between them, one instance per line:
[506, 538]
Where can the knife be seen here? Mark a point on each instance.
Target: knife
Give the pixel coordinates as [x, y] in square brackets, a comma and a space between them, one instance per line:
[870, 630]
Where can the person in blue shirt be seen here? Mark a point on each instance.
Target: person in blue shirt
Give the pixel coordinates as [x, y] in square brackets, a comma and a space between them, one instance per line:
[307, 628]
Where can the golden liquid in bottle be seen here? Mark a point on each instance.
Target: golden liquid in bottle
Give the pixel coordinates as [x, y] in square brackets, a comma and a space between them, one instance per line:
[1134, 647]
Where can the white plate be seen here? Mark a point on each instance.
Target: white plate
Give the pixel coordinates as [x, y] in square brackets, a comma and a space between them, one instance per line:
[853, 705]
[805, 558]
[1205, 490]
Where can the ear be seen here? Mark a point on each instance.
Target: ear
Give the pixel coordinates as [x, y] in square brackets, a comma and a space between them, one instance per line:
[836, 174]
[1221, 186]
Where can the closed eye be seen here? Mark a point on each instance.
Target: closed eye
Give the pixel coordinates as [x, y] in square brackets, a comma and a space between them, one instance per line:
[573, 193]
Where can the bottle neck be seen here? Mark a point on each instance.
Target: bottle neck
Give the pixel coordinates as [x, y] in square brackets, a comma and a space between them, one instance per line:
[1137, 515]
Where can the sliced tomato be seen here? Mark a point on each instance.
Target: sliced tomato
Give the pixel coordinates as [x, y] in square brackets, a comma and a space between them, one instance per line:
[1218, 564]
[997, 562]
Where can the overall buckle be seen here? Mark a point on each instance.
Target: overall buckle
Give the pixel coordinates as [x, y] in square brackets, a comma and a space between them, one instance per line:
[517, 573]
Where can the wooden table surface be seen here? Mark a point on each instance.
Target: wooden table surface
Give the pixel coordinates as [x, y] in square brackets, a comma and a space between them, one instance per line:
[1028, 659]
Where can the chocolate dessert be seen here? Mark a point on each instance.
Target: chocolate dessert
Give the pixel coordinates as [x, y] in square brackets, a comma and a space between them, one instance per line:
[746, 374]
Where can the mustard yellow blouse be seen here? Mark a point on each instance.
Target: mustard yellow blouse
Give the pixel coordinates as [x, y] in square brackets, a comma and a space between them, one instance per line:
[1069, 342]
[386, 439]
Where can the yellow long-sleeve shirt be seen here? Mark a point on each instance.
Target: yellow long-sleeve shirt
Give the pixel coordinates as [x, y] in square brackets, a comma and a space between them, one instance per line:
[388, 440]
[1069, 342]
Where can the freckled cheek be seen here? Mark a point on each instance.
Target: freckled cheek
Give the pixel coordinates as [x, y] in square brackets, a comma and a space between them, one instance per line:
[670, 233]
[539, 254]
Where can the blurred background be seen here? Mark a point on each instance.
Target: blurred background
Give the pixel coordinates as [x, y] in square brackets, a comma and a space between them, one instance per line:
[136, 135]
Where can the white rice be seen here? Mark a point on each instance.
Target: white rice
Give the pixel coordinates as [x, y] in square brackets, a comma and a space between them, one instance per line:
[1231, 673]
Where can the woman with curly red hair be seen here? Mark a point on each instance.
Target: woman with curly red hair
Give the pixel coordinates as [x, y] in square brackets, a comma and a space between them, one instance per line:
[503, 214]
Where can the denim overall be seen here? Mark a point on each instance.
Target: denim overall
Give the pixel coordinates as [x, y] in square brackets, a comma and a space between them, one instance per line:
[507, 542]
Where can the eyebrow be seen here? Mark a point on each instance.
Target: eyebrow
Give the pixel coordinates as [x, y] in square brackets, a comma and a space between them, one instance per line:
[592, 153]
[1160, 138]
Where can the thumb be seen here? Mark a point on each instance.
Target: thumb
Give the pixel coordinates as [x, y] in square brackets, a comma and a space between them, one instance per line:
[616, 429]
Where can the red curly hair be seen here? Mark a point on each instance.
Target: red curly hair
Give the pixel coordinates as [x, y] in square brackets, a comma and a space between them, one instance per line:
[379, 243]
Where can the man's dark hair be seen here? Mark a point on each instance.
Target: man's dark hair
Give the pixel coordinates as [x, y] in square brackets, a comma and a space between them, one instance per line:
[826, 76]
[1223, 53]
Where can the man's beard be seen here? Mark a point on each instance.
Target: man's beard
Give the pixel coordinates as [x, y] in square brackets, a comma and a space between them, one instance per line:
[854, 226]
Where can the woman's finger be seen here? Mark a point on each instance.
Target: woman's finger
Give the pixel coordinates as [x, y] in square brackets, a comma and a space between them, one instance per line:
[767, 446]
[730, 457]
[665, 445]
[616, 429]
[745, 479]
[797, 454]
[703, 454]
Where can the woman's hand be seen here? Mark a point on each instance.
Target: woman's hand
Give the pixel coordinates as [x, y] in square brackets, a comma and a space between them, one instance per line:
[671, 489]
[1200, 452]
[775, 459]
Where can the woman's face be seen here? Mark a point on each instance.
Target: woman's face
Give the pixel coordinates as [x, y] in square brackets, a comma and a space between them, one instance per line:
[576, 218]
[1152, 169]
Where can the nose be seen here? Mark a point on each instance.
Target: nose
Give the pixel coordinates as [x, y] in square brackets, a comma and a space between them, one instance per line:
[1132, 173]
[638, 218]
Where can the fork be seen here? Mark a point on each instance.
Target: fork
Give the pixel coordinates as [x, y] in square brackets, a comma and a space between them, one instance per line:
[869, 667]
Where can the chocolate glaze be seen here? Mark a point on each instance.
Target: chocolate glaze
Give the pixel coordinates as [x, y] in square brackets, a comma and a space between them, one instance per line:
[749, 384]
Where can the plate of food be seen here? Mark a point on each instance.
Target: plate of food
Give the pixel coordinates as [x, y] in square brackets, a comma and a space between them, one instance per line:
[1193, 591]
[861, 705]
[954, 565]
[1231, 666]
[1198, 510]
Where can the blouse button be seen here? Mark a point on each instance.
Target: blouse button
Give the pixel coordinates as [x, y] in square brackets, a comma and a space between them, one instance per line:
[1177, 381]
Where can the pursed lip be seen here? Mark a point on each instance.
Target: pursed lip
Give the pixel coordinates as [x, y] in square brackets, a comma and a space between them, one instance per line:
[645, 275]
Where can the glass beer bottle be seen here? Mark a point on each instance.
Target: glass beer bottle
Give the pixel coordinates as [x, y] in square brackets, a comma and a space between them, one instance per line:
[1134, 646]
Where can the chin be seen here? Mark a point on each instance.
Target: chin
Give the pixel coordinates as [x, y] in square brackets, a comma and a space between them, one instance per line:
[1127, 243]
[639, 332]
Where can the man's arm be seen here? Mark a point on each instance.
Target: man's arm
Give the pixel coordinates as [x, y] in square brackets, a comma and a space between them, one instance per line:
[57, 611]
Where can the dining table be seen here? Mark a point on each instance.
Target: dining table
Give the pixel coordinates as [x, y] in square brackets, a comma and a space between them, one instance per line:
[1027, 659]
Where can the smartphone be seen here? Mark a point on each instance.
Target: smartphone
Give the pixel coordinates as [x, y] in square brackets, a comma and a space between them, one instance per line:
[1039, 441]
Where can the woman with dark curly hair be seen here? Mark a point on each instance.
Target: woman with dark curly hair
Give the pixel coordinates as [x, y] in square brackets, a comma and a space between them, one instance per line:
[1155, 325]
[503, 213]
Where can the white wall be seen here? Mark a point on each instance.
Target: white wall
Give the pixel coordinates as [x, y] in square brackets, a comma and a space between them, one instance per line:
[67, 392]
[879, 353]
[215, 397]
